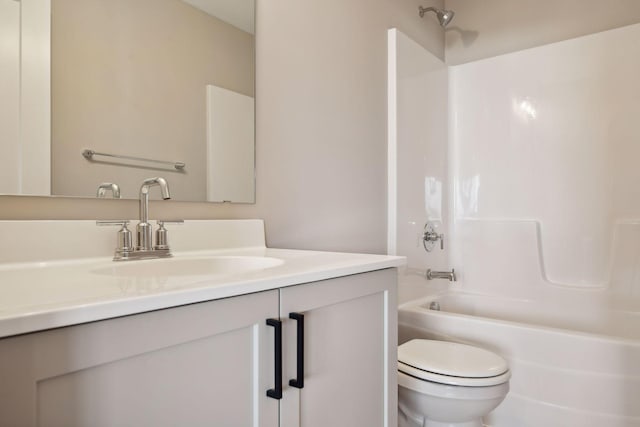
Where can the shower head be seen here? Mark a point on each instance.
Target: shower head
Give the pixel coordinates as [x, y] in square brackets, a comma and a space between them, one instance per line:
[444, 16]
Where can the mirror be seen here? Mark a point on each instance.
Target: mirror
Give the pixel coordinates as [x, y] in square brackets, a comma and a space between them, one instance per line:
[150, 88]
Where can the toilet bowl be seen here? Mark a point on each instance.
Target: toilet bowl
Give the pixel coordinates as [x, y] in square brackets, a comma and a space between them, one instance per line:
[445, 384]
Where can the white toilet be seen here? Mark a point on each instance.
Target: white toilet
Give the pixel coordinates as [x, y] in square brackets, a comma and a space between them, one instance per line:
[446, 384]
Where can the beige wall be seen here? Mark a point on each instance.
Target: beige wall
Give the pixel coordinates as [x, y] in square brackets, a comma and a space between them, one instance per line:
[488, 28]
[321, 128]
[322, 144]
[129, 77]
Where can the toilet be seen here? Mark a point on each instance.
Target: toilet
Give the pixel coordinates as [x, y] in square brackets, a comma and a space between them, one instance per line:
[446, 384]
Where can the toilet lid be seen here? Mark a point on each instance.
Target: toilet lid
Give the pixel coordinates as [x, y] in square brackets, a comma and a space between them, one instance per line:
[451, 363]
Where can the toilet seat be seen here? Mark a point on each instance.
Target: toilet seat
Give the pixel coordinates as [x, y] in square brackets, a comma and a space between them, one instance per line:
[452, 363]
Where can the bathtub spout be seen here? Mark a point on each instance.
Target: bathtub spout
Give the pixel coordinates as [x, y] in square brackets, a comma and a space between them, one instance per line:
[451, 275]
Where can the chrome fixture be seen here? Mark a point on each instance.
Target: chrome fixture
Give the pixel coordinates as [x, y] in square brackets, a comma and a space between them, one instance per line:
[108, 186]
[444, 16]
[450, 275]
[143, 230]
[144, 248]
[435, 305]
[89, 154]
[125, 251]
[124, 247]
[430, 237]
[162, 242]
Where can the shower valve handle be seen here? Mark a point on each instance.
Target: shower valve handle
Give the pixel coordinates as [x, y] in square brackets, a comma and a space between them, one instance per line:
[434, 237]
[430, 237]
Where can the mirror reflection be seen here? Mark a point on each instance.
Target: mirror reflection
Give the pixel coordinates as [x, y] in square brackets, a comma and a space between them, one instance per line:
[147, 85]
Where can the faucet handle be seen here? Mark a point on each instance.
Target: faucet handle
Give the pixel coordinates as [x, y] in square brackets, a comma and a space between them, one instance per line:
[162, 222]
[430, 236]
[161, 233]
[121, 222]
[125, 241]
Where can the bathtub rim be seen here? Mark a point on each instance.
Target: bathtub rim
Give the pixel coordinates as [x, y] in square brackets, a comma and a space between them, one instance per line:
[418, 306]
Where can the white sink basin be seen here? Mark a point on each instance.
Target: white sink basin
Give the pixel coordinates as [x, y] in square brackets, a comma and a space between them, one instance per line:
[196, 266]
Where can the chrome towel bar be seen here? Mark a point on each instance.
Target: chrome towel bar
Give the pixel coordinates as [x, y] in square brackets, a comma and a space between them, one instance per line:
[89, 154]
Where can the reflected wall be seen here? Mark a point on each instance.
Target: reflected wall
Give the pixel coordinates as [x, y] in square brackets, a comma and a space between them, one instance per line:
[130, 78]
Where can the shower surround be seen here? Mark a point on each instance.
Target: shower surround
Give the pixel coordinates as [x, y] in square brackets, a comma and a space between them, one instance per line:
[541, 198]
[551, 134]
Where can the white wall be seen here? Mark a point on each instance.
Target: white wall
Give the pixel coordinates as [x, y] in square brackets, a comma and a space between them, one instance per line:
[418, 171]
[549, 134]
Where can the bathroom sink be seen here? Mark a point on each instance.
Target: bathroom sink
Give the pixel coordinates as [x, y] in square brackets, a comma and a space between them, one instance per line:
[192, 266]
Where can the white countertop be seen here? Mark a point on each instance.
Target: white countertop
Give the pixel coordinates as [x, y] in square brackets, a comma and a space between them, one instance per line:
[42, 295]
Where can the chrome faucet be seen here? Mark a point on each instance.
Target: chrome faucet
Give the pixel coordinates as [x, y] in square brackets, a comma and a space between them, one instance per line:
[450, 275]
[108, 186]
[144, 248]
[144, 229]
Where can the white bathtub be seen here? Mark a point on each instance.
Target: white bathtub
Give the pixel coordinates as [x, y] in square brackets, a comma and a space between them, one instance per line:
[575, 360]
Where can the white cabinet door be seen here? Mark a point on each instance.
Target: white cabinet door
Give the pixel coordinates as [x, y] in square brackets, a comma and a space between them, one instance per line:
[206, 364]
[350, 339]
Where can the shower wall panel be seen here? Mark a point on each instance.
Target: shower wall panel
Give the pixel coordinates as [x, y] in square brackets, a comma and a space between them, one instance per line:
[418, 155]
[552, 135]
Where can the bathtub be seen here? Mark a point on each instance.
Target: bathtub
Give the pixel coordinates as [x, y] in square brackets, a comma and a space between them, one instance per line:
[575, 360]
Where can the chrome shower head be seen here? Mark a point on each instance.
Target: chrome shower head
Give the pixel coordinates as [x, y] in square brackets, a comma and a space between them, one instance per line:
[444, 16]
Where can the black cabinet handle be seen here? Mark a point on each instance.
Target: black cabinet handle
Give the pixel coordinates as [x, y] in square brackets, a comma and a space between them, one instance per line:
[299, 382]
[276, 393]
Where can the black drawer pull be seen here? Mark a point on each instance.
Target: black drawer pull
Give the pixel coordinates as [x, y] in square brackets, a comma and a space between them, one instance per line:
[299, 381]
[276, 393]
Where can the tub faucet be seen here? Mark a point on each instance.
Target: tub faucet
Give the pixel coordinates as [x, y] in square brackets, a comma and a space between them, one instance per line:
[144, 229]
[450, 275]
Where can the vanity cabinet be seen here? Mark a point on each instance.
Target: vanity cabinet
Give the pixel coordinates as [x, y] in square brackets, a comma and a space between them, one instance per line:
[211, 363]
[350, 356]
[198, 365]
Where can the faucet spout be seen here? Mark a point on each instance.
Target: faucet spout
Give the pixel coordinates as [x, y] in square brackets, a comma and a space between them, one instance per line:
[449, 275]
[161, 182]
[144, 195]
[144, 228]
[108, 186]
